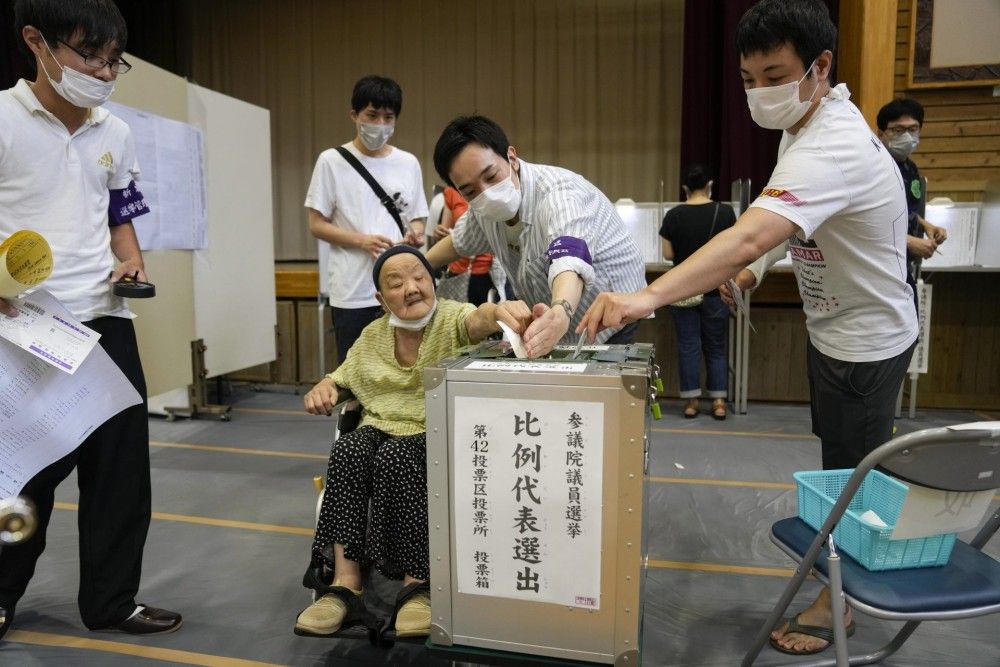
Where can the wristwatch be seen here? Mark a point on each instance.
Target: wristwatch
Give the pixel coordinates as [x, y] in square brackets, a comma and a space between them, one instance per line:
[565, 304]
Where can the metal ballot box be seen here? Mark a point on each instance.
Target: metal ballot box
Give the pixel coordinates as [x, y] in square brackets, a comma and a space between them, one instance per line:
[536, 485]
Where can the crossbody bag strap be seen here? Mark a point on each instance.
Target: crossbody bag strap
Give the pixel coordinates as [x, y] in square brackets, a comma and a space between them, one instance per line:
[373, 184]
[712, 228]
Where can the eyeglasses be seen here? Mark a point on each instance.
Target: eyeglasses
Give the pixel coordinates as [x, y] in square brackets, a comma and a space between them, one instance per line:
[118, 65]
[900, 130]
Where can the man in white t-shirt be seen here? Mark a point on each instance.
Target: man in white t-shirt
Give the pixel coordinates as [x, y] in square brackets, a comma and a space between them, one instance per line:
[345, 212]
[67, 170]
[836, 199]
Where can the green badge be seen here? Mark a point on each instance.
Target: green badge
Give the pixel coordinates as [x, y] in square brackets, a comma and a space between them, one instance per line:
[915, 188]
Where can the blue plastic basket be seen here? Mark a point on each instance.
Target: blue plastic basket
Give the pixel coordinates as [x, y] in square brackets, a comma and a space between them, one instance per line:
[869, 545]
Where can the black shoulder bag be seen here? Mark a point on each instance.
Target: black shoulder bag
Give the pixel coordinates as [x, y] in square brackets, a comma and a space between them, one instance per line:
[373, 184]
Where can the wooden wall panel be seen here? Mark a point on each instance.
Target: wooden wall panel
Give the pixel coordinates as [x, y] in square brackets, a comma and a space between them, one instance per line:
[961, 134]
[964, 364]
[308, 342]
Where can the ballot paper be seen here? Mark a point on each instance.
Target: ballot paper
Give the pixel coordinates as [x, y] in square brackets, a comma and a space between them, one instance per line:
[47, 330]
[514, 339]
[741, 303]
[46, 414]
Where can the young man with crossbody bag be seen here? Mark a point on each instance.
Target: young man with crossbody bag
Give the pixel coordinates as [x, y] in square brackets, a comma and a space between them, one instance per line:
[362, 212]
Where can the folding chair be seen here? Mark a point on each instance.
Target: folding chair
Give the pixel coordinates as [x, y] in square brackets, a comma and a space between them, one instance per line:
[962, 458]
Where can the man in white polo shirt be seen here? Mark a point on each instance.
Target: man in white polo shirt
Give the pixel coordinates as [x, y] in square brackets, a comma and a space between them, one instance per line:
[836, 199]
[67, 170]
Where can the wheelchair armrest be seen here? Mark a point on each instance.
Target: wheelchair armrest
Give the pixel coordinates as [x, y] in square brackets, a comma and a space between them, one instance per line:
[344, 396]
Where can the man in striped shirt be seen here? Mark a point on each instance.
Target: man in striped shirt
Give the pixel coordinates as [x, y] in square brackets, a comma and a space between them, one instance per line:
[556, 235]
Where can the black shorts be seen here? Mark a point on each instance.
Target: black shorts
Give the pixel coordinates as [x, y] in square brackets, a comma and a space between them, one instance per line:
[853, 404]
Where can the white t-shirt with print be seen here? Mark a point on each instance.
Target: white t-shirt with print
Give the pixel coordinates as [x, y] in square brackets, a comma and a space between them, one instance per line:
[339, 193]
[838, 184]
[58, 185]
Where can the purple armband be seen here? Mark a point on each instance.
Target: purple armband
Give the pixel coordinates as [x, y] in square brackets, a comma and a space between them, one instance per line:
[569, 246]
[126, 204]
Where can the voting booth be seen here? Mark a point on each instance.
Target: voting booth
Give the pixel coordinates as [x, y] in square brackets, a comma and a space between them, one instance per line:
[536, 496]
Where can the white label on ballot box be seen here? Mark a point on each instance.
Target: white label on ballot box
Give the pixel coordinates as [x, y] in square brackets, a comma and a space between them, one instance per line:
[552, 367]
[527, 497]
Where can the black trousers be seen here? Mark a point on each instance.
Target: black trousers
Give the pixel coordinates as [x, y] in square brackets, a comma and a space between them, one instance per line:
[113, 473]
[853, 404]
[348, 323]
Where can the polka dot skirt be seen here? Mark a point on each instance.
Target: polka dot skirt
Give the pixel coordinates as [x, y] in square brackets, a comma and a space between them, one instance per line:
[390, 471]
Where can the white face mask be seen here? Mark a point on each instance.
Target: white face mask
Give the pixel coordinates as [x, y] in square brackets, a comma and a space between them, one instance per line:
[411, 325]
[374, 136]
[901, 146]
[779, 107]
[78, 88]
[499, 202]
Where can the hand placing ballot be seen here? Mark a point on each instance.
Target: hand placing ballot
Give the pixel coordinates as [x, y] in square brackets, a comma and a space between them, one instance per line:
[613, 310]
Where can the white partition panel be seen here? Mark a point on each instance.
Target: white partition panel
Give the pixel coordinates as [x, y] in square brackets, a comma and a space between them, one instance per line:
[234, 276]
[165, 325]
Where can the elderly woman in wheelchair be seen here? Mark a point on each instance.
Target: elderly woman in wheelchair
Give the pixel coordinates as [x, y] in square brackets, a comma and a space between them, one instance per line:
[383, 460]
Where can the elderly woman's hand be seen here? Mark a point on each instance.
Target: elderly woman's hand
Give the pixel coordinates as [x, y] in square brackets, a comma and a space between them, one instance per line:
[321, 398]
[515, 314]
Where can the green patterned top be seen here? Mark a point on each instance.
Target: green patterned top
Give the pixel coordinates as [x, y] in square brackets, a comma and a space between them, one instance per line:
[391, 395]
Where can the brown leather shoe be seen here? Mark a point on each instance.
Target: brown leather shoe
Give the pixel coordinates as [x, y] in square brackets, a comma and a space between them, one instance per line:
[150, 621]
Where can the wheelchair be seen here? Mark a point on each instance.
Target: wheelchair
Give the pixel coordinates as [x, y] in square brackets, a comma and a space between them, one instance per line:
[378, 628]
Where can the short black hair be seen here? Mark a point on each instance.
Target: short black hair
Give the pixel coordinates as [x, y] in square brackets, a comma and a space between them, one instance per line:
[804, 24]
[379, 91]
[98, 23]
[696, 177]
[898, 108]
[463, 131]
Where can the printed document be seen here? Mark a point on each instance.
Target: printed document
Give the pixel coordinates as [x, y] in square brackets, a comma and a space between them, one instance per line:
[47, 330]
[45, 413]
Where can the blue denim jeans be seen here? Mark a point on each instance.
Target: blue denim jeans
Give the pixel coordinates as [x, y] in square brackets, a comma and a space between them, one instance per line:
[702, 329]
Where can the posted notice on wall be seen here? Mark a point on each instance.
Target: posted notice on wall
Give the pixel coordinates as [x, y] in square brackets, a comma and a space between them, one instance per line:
[527, 497]
[171, 159]
[921, 353]
[45, 413]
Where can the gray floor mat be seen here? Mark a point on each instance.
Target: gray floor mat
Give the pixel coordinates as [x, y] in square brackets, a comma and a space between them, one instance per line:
[238, 585]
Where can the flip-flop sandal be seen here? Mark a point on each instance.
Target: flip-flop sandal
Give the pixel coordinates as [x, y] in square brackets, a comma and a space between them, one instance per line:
[817, 631]
[386, 635]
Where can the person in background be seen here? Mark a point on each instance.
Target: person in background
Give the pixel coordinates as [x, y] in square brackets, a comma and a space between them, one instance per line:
[836, 200]
[701, 327]
[899, 124]
[345, 212]
[481, 267]
[68, 171]
[384, 460]
[558, 238]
